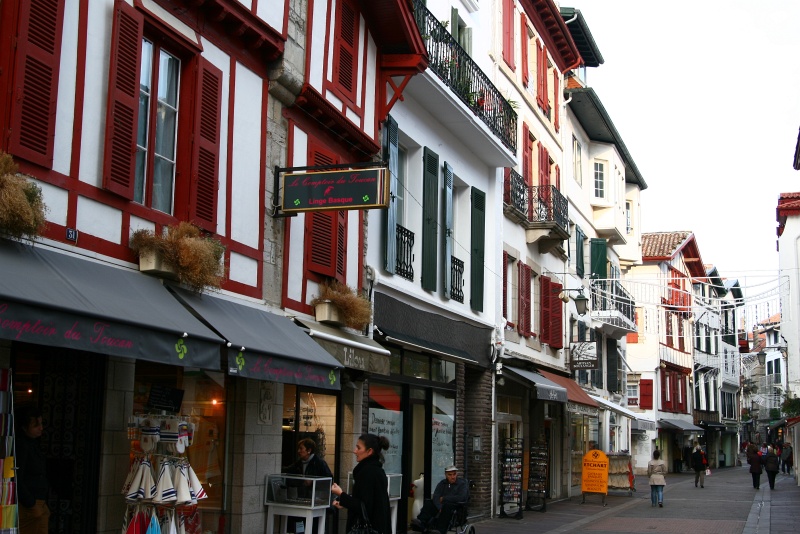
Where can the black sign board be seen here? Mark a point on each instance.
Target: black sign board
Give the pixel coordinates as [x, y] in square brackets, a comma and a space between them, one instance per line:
[350, 189]
[583, 355]
[164, 398]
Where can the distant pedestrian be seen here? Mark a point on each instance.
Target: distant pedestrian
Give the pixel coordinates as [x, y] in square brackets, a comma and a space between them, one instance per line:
[656, 469]
[677, 462]
[763, 450]
[772, 465]
[756, 465]
[699, 464]
[687, 455]
[787, 458]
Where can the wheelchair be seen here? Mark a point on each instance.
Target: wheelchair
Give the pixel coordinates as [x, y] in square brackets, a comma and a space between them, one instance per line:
[459, 522]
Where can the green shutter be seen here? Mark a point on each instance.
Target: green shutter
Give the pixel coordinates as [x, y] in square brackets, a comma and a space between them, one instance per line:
[478, 249]
[390, 154]
[599, 259]
[447, 251]
[579, 261]
[430, 208]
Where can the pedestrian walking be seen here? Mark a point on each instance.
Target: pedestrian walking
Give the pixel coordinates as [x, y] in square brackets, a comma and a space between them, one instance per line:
[772, 466]
[756, 465]
[677, 461]
[656, 469]
[699, 464]
[787, 458]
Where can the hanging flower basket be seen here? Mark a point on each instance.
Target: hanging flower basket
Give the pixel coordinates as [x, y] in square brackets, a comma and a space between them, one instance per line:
[340, 304]
[182, 252]
[22, 209]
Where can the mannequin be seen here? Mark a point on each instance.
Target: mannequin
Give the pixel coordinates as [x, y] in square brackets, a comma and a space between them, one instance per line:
[419, 495]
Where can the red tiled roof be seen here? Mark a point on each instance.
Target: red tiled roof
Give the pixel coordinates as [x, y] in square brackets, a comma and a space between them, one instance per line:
[662, 244]
[575, 393]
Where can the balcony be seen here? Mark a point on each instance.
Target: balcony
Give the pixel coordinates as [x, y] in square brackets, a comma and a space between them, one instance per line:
[457, 280]
[478, 97]
[405, 253]
[541, 210]
[614, 306]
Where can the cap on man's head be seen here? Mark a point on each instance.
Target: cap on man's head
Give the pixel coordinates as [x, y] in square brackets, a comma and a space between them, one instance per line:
[450, 468]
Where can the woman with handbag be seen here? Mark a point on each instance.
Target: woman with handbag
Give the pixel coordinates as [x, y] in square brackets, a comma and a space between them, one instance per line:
[370, 498]
[656, 469]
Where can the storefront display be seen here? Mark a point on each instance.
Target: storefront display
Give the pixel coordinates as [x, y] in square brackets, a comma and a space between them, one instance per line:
[8, 486]
[307, 497]
[537, 477]
[511, 478]
[620, 472]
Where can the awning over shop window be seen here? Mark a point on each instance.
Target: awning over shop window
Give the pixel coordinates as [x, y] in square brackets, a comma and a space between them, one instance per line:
[575, 393]
[265, 345]
[351, 350]
[57, 299]
[608, 405]
[643, 424]
[678, 424]
[712, 425]
[545, 389]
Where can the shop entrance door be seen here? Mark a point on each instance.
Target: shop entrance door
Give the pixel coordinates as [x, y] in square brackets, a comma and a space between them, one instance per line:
[68, 387]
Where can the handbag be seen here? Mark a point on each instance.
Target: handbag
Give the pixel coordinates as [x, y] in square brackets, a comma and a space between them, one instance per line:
[362, 525]
[708, 472]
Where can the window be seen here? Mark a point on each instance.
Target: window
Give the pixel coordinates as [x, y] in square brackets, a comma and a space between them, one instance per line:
[524, 312]
[163, 121]
[577, 165]
[156, 137]
[599, 179]
[632, 392]
[508, 33]
[551, 313]
[628, 218]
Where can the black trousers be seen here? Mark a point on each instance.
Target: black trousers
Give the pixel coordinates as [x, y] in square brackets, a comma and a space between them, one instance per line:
[771, 477]
[756, 480]
[434, 518]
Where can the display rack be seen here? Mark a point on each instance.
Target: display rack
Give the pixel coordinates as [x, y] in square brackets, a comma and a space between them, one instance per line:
[620, 472]
[537, 477]
[8, 490]
[511, 478]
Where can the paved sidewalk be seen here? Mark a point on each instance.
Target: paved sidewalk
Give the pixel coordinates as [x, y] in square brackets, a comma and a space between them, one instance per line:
[727, 504]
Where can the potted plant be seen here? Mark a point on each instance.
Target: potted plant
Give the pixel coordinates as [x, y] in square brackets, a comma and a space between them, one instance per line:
[183, 252]
[22, 209]
[340, 304]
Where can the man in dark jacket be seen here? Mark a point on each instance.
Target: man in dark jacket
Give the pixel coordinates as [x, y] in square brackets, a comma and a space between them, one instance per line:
[437, 511]
[32, 485]
[311, 465]
[699, 464]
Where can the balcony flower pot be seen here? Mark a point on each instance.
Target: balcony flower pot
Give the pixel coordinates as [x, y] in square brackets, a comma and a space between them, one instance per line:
[22, 209]
[181, 252]
[351, 309]
[326, 312]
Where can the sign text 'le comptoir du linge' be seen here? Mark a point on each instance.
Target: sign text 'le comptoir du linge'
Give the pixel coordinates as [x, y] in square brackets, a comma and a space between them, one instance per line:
[335, 190]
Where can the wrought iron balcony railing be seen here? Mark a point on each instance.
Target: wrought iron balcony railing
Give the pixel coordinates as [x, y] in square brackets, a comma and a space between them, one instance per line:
[405, 253]
[455, 67]
[457, 280]
[535, 203]
[609, 295]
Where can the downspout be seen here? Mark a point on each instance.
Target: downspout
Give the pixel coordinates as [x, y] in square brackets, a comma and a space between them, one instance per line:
[498, 352]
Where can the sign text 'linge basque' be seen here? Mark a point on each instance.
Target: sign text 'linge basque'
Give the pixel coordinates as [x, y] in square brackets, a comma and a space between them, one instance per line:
[350, 189]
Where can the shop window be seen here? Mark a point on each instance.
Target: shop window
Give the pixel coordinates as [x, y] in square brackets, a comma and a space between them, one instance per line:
[443, 371]
[386, 419]
[417, 365]
[443, 430]
[202, 398]
[308, 414]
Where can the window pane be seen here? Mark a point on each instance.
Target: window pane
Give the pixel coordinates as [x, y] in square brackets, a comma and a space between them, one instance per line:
[163, 172]
[138, 181]
[417, 365]
[168, 79]
[443, 435]
[443, 371]
[142, 128]
[386, 419]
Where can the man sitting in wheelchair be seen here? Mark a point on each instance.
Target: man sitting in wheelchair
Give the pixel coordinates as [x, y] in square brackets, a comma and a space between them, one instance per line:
[437, 512]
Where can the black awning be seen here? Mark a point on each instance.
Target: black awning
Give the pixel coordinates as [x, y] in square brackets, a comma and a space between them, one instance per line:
[545, 389]
[57, 299]
[264, 345]
[710, 425]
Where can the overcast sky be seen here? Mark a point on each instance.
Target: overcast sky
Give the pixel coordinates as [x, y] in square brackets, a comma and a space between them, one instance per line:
[706, 96]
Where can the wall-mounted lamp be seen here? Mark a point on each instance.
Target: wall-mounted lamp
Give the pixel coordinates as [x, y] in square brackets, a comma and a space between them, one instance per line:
[663, 365]
[762, 357]
[581, 301]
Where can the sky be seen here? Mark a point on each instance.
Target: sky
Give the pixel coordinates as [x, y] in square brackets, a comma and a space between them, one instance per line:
[706, 96]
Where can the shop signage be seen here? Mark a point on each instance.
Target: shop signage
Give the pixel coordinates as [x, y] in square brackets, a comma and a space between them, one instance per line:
[594, 476]
[354, 358]
[350, 189]
[582, 409]
[583, 355]
[284, 370]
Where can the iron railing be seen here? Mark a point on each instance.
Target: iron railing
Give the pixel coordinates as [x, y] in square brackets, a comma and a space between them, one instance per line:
[457, 70]
[609, 295]
[405, 253]
[457, 280]
[515, 191]
[548, 205]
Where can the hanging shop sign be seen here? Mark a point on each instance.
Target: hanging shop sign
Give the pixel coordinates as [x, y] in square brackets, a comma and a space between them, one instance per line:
[583, 355]
[347, 189]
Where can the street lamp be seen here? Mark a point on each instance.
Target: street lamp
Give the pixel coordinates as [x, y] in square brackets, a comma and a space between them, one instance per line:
[581, 301]
[762, 357]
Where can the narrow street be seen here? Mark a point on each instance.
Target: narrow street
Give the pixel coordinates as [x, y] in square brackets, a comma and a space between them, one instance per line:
[728, 504]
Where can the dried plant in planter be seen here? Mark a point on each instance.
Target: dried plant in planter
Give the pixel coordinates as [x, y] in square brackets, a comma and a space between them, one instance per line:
[22, 209]
[197, 259]
[355, 310]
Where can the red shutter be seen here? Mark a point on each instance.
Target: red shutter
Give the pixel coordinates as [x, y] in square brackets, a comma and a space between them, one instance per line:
[545, 95]
[119, 157]
[633, 337]
[326, 231]
[505, 285]
[35, 85]
[205, 150]
[527, 156]
[346, 66]
[539, 85]
[341, 246]
[646, 393]
[524, 301]
[556, 319]
[666, 405]
[558, 178]
[546, 304]
[508, 33]
[523, 31]
[556, 104]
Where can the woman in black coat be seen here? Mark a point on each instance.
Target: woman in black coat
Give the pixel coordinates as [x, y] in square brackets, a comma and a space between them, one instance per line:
[370, 486]
[756, 465]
